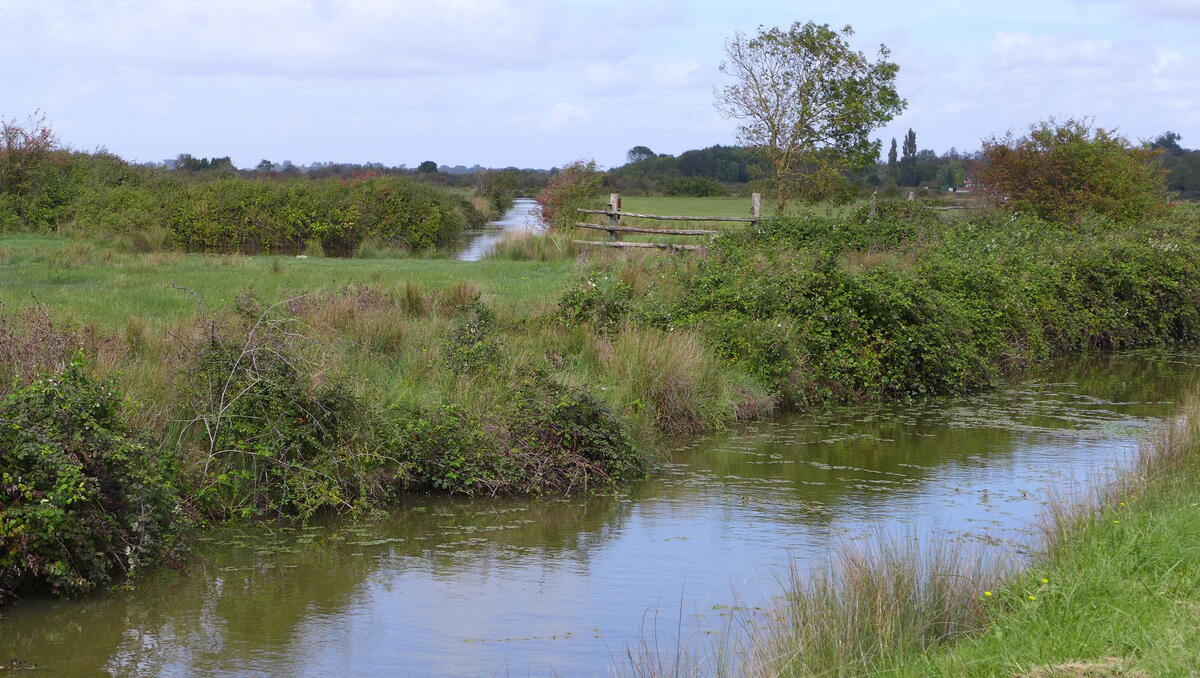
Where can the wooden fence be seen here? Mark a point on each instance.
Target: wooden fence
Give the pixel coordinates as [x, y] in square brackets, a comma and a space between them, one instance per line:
[615, 229]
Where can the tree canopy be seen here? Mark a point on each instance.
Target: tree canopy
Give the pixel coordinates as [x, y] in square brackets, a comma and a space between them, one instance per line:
[808, 101]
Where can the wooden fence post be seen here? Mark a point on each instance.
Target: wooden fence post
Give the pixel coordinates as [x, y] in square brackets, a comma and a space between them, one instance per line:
[614, 219]
[755, 207]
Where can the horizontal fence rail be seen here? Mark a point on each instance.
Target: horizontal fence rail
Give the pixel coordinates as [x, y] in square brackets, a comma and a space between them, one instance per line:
[615, 228]
[648, 245]
[669, 218]
[635, 229]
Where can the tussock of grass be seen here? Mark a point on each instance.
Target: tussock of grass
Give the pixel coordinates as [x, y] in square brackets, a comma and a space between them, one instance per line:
[526, 246]
[670, 379]
[869, 605]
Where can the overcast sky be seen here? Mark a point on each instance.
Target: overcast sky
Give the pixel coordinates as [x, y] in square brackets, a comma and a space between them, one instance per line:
[538, 83]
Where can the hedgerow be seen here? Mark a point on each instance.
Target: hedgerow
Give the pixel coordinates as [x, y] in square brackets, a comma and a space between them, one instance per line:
[824, 309]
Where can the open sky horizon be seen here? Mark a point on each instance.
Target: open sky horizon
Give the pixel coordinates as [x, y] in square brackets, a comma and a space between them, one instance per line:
[534, 83]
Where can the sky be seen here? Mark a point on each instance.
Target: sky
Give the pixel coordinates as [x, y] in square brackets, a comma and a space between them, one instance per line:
[535, 83]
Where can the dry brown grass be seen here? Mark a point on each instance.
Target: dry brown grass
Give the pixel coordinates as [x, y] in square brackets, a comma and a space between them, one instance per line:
[31, 344]
[1110, 667]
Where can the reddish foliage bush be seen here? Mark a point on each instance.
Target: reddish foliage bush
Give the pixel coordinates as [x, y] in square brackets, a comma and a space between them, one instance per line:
[1062, 171]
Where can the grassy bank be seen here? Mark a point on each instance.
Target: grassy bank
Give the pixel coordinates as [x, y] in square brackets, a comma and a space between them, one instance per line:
[910, 303]
[297, 386]
[1117, 593]
[1113, 593]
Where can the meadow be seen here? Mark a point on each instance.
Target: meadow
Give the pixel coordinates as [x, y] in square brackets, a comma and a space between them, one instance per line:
[213, 385]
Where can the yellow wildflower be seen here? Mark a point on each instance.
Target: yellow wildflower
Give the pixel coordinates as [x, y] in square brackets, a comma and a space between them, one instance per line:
[987, 594]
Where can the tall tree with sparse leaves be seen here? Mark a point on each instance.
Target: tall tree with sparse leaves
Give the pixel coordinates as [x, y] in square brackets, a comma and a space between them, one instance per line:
[807, 101]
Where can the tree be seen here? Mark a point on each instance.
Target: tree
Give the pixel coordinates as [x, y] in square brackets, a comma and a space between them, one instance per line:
[893, 169]
[27, 175]
[576, 185]
[640, 153]
[908, 160]
[1169, 142]
[1062, 171]
[264, 166]
[427, 167]
[807, 102]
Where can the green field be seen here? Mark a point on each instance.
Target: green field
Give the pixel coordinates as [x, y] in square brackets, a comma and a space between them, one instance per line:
[700, 207]
[96, 285]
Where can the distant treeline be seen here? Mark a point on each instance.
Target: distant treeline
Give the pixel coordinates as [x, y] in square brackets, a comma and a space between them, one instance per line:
[725, 170]
[702, 172]
[510, 181]
[206, 204]
[1182, 165]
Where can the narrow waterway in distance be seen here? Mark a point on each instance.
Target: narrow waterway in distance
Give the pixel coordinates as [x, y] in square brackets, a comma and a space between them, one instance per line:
[483, 587]
[522, 216]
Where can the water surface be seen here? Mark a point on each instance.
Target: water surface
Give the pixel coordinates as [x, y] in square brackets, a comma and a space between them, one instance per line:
[446, 587]
[522, 216]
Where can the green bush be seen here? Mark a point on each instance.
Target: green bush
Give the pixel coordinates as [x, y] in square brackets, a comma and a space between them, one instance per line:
[543, 437]
[281, 216]
[1062, 171]
[824, 309]
[85, 500]
[473, 346]
[599, 299]
[576, 185]
[98, 194]
[697, 187]
[275, 441]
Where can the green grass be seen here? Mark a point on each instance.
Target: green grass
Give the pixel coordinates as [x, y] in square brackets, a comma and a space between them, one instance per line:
[98, 286]
[704, 207]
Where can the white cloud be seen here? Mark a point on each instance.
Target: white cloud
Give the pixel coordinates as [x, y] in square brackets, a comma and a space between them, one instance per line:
[296, 37]
[565, 114]
[1016, 50]
[677, 73]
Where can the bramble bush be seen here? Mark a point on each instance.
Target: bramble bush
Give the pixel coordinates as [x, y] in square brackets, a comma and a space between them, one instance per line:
[577, 185]
[84, 499]
[1063, 171]
[541, 438]
[822, 309]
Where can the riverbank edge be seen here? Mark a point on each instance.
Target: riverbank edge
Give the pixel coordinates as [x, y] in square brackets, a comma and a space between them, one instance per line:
[1114, 591]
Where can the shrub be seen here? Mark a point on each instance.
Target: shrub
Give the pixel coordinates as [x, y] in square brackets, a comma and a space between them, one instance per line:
[84, 500]
[577, 185]
[31, 187]
[1061, 171]
[473, 346]
[697, 187]
[544, 437]
[835, 309]
[600, 299]
[275, 439]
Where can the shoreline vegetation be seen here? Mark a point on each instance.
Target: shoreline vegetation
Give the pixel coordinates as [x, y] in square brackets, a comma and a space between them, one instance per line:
[164, 367]
[255, 387]
[1111, 591]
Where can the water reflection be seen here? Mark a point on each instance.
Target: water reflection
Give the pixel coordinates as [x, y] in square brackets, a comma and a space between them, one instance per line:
[522, 216]
[504, 586]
